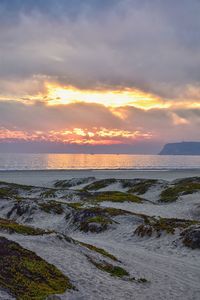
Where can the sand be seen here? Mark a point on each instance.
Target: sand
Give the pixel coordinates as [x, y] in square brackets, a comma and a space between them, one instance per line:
[172, 270]
[45, 178]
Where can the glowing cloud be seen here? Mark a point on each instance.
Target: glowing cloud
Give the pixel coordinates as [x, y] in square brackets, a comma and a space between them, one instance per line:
[57, 94]
[79, 136]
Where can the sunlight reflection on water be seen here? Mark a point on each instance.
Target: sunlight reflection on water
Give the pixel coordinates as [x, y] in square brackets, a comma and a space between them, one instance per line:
[96, 161]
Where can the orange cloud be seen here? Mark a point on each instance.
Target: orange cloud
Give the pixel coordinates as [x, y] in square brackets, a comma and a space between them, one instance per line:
[109, 97]
[94, 136]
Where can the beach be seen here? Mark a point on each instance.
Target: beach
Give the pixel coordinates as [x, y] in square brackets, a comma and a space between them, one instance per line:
[99, 150]
[114, 234]
[45, 177]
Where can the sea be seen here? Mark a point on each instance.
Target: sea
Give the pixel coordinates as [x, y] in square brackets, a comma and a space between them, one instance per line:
[43, 161]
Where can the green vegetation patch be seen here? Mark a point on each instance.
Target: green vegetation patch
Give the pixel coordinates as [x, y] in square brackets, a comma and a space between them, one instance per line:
[13, 190]
[99, 219]
[7, 193]
[100, 184]
[159, 225]
[114, 212]
[52, 207]
[142, 187]
[16, 186]
[65, 184]
[183, 186]
[14, 227]
[115, 271]
[26, 275]
[97, 210]
[188, 180]
[172, 193]
[115, 197]
[99, 250]
[95, 224]
[76, 205]
[90, 218]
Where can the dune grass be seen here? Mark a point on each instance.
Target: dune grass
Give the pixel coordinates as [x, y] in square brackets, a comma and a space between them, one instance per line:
[52, 207]
[172, 193]
[115, 271]
[159, 225]
[119, 197]
[100, 184]
[99, 250]
[14, 227]
[142, 187]
[26, 275]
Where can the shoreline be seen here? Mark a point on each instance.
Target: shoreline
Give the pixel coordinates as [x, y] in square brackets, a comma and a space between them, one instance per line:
[102, 169]
[46, 177]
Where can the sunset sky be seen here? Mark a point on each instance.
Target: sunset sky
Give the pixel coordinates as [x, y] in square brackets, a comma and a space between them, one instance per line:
[99, 75]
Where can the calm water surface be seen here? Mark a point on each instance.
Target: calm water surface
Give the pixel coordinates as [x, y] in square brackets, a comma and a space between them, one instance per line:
[96, 161]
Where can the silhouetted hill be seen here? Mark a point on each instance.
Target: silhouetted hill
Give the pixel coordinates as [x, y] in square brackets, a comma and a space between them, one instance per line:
[183, 148]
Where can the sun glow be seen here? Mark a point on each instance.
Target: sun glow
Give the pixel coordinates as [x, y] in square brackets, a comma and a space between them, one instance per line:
[79, 136]
[111, 98]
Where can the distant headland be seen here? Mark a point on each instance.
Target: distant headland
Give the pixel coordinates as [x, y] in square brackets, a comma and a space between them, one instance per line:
[182, 148]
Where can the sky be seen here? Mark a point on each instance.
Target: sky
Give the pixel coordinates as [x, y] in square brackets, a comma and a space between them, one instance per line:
[106, 76]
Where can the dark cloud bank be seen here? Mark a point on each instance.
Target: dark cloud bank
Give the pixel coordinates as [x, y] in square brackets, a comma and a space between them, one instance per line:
[152, 45]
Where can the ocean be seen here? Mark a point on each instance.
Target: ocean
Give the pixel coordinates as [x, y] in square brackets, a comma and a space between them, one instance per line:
[96, 161]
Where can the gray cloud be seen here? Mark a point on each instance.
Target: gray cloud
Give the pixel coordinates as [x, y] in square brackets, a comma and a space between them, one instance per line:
[18, 116]
[149, 45]
[165, 124]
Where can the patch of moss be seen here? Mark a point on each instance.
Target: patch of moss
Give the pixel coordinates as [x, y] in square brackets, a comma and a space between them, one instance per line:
[115, 197]
[52, 207]
[72, 182]
[159, 225]
[188, 180]
[142, 187]
[95, 224]
[76, 205]
[6, 193]
[100, 184]
[14, 227]
[100, 214]
[99, 250]
[84, 213]
[183, 187]
[115, 271]
[84, 217]
[16, 186]
[12, 190]
[99, 219]
[114, 212]
[26, 275]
